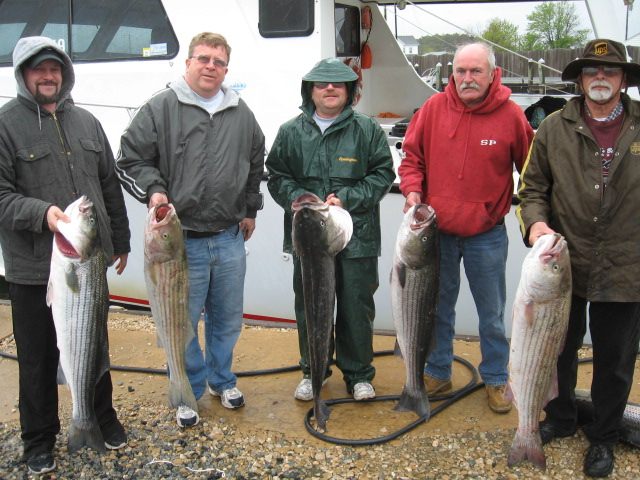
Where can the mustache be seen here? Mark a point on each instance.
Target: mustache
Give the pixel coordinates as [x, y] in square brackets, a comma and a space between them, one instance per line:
[601, 83]
[473, 85]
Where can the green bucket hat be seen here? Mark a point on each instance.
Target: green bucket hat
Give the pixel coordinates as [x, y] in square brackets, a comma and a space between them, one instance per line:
[602, 51]
[330, 70]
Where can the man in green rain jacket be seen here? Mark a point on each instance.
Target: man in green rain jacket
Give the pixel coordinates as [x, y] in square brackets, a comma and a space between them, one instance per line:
[341, 156]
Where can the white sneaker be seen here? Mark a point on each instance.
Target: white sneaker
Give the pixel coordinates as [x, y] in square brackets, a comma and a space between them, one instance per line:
[363, 391]
[304, 390]
[187, 417]
[230, 398]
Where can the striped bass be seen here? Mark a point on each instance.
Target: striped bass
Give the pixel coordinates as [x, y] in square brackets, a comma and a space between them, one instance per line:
[167, 280]
[540, 320]
[415, 278]
[319, 233]
[78, 296]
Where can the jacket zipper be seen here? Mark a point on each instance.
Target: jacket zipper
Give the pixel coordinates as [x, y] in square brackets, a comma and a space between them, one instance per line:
[65, 152]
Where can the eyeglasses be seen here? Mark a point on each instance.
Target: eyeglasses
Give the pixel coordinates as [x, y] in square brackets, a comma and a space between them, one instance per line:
[323, 85]
[206, 60]
[608, 71]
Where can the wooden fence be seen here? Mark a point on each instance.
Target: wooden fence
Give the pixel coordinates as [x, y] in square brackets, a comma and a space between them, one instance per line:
[524, 74]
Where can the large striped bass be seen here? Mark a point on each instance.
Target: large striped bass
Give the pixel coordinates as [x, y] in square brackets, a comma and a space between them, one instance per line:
[78, 296]
[540, 319]
[165, 269]
[319, 233]
[415, 279]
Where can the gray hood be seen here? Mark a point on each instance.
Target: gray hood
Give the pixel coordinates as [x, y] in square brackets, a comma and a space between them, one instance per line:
[186, 94]
[26, 48]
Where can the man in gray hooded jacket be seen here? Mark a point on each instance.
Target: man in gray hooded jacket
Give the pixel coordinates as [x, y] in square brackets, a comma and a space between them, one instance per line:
[51, 153]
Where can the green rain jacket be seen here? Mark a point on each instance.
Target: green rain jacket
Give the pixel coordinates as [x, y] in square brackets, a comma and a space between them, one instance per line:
[351, 159]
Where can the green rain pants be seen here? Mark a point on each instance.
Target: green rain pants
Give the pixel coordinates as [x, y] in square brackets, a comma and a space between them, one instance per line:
[356, 282]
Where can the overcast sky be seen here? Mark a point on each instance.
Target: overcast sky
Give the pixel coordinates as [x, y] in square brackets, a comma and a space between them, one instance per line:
[474, 17]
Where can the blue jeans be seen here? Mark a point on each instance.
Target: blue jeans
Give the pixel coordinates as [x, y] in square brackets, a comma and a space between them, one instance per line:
[485, 258]
[217, 266]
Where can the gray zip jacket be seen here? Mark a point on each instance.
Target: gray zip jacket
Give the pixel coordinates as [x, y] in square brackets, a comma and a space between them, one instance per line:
[210, 166]
[52, 159]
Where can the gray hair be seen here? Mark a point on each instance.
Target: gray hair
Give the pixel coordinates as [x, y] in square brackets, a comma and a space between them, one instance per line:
[491, 56]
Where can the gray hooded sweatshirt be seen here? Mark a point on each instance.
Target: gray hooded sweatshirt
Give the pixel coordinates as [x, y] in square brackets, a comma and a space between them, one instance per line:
[52, 159]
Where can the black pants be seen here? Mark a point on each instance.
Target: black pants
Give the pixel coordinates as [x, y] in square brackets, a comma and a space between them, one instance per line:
[615, 333]
[38, 355]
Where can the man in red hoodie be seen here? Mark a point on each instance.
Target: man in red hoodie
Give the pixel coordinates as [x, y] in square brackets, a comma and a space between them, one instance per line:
[461, 147]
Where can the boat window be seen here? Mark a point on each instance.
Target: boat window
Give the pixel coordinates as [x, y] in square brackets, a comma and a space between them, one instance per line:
[101, 30]
[285, 18]
[347, 19]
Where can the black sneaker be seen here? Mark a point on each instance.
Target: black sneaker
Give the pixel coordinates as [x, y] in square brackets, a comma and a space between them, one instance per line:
[599, 461]
[116, 440]
[41, 463]
[114, 435]
[549, 431]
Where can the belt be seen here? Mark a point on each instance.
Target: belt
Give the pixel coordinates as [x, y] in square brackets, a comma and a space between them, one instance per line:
[500, 222]
[194, 234]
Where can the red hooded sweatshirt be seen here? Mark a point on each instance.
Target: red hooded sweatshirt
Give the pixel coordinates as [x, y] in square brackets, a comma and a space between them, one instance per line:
[461, 158]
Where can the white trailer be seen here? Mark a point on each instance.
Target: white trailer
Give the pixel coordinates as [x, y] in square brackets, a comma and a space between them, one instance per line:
[125, 50]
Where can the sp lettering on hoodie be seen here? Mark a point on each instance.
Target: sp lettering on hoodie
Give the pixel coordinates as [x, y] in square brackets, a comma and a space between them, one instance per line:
[489, 143]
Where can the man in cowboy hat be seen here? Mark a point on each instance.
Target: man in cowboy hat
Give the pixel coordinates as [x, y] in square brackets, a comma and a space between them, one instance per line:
[582, 180]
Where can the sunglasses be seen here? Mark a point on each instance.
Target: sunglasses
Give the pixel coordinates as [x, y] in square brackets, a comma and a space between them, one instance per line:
[608, 71]
[323, 85]
[206, 60]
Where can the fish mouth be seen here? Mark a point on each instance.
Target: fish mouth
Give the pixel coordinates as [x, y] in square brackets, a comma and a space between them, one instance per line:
[308, 200]
[161, 213]
[65, 246]
[423, 215]
[554, 249]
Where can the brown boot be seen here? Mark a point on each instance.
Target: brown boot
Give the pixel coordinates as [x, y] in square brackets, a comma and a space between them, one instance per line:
[497, 402]
[435, 386]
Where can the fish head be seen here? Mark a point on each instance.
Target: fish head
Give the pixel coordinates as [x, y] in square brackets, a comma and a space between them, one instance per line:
[319, 227]
[163, 238]
[417, 239]
[79, 237]
[547, 267]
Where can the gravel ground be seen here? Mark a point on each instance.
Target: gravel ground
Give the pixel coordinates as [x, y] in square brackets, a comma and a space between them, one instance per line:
[158, 449]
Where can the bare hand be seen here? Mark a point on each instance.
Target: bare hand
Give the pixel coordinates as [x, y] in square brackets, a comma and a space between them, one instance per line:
[247, 226]
[538, 229]
[120, 262]
[333, 200]
[158, 198]
[53, 215]
[413, 198]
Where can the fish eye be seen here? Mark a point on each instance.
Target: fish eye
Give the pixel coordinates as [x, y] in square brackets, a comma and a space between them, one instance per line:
[424, 239]
[322, 223]
[165, 235]
[556, 267]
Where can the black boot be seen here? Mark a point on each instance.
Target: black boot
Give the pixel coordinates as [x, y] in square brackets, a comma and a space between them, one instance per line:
[549, 431]
[599, 460]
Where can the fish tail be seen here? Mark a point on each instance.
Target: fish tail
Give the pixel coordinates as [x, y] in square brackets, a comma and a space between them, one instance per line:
[321, 413]
[411, 403]
[180, 393]
[85, 434]
[527, 446]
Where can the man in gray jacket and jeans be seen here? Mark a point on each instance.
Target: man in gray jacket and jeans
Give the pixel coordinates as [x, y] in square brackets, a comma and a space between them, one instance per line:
[51, 153]
[197, 145]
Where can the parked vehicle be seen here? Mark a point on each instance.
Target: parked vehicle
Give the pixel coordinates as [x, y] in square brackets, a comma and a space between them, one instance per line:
[125, 50]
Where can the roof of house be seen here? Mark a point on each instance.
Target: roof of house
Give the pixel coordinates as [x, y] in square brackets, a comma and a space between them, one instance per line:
[407, 40]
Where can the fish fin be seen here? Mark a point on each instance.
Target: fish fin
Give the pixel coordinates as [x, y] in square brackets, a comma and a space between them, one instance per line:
[397, 351]
[85, 436]
[529, 314]
[180, 393]
[553, 387]
[508, 394]
[527, 446]
[419, 405]
[71, 279]
[61, 379]
[50, 292]
[321, 413]
[401, 273]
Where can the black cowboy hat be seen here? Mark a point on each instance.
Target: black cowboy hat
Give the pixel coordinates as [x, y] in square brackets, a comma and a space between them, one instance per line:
[602, 51]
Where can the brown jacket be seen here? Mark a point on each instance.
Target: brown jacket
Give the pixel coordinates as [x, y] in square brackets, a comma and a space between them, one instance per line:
[561, 185]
